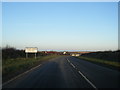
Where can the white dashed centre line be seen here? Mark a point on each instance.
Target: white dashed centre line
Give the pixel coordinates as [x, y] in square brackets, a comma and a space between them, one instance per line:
[72, 65]
[83, 75]
[87, 80]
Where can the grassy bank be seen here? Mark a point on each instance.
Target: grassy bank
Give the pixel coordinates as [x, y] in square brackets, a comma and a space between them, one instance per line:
[13, 67]
[106, 63]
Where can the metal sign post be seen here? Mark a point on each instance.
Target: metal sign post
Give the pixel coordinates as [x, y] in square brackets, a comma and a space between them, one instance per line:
[35, 55]
[26, 55]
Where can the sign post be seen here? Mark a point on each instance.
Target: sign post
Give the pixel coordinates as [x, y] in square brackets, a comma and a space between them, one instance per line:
[31, 50]
[35, 55]
[26, 55]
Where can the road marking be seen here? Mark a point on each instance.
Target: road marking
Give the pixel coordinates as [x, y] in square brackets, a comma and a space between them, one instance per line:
[20, 75]
[72, 65]
[68, 60]
[83, 76]
[88, 80]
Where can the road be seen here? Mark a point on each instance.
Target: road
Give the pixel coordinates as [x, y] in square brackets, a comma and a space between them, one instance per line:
[67, 72]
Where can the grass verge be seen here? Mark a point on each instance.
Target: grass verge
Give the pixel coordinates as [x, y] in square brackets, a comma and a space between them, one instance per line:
[13, 67]
[106, 63]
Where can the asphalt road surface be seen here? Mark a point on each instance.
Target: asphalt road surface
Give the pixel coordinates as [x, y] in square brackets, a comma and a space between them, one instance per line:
[67, 72]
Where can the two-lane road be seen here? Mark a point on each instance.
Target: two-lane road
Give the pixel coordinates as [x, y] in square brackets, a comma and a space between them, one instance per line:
[67, 72]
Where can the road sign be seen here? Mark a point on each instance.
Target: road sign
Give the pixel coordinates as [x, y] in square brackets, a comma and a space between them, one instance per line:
[31, 50]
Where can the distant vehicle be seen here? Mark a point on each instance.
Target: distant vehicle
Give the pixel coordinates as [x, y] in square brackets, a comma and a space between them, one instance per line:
[64, 52]
[75, 54]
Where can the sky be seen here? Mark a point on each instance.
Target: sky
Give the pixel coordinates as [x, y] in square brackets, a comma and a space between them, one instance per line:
[60, 25]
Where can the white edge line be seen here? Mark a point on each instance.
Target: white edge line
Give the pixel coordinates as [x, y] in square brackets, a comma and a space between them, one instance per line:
[20, 75]
[88, 80]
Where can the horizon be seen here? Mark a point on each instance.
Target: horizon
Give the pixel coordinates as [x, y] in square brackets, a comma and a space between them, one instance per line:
[39, 50]
[74, 26]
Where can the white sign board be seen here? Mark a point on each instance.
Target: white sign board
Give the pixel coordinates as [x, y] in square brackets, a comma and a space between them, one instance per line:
[31, 50]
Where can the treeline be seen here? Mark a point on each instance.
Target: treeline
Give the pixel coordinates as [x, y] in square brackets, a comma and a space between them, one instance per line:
[107, 55]
[11, 52]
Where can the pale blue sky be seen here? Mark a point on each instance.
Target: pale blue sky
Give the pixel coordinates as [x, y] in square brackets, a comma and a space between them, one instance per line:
[61, 26]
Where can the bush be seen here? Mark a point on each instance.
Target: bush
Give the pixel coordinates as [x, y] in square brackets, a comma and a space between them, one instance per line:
[108, 55]
[11, 53]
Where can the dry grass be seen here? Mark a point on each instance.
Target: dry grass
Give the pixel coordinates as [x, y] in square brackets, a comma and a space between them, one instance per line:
[111, 63]
[12, 67]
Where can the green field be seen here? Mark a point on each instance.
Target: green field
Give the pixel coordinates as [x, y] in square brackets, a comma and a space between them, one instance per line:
[104, 62]
[13, 67]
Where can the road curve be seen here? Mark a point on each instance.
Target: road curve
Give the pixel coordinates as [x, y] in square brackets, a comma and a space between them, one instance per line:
[67, 72]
